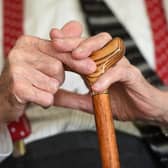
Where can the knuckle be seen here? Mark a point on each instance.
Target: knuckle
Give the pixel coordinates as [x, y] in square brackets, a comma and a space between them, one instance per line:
[52, 86]
[25, 40]
[57, 67]
[15, 54]
[85, 44]
[135, 73]
[49, 101]
[75, 65]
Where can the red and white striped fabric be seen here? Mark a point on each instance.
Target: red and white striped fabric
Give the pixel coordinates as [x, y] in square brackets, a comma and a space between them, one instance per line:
[159, 28]
[12, 23]
[12, 29]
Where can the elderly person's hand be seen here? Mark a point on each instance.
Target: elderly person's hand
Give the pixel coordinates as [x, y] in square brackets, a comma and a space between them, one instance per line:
[132, 97]
[33, 72]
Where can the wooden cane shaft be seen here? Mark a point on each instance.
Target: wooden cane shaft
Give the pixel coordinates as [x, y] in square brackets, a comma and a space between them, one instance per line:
[105, 58]
[106, 132]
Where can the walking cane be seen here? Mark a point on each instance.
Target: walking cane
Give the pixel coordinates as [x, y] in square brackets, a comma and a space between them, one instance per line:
[105, 58]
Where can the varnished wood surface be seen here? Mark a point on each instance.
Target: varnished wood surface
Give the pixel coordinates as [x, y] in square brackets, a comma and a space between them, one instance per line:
[106, 132]
[104, 59]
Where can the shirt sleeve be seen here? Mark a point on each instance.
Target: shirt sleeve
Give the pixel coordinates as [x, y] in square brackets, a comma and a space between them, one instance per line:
[6, 146]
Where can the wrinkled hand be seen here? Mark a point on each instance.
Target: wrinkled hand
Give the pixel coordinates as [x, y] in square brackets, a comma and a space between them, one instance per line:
[33, 72]
[132, 97]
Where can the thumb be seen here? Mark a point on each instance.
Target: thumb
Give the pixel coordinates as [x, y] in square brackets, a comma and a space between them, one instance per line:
[72, 100]
[70, 29]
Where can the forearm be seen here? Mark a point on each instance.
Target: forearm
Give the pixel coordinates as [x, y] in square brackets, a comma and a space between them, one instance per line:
[163, 105]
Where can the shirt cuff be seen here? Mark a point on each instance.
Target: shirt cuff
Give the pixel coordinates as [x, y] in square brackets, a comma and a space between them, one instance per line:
[6, 146]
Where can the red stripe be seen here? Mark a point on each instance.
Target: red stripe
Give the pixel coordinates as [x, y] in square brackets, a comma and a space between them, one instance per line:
[159, 29]
[12, 23]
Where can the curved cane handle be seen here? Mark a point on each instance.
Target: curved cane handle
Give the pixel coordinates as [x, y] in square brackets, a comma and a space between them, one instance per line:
[106, 57]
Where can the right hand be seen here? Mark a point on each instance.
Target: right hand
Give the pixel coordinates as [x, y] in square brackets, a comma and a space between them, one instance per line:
[132, 97]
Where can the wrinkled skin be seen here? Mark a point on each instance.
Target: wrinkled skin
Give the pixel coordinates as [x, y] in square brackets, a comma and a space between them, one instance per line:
[34, 71]
[132, 97]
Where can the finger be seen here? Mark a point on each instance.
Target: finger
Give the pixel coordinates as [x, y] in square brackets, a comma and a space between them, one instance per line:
[67, 44]
[72, 100]
[85, 66]
[50, 66]
[87, 47]
[70, 29]
[43, 82]
[25, 92]
[36, 78]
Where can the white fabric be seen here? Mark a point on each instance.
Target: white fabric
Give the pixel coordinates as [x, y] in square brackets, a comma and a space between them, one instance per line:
[56, 120]
[40, 17]
[133, 16]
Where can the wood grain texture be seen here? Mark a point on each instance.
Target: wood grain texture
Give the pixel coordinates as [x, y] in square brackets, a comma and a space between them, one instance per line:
[104, 59]
[106, 132]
